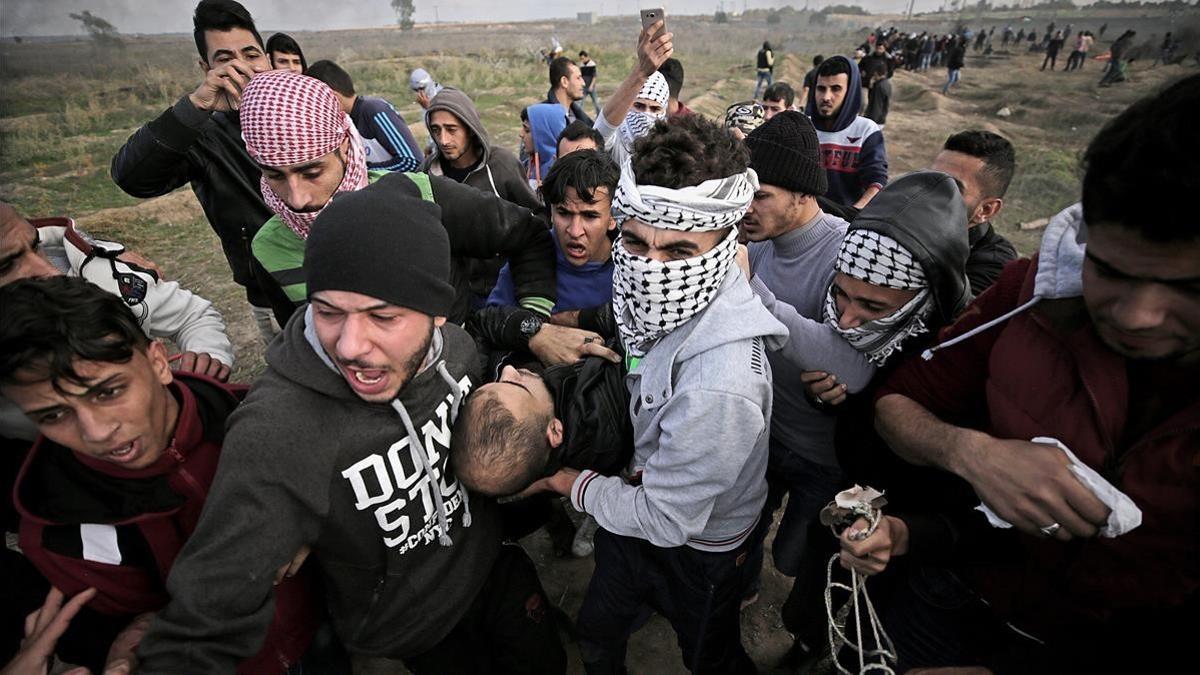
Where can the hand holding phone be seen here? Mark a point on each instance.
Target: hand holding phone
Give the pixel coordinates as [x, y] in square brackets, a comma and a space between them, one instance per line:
[653, 16]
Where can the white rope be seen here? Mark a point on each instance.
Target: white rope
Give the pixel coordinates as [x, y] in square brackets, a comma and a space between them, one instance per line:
[883, 656]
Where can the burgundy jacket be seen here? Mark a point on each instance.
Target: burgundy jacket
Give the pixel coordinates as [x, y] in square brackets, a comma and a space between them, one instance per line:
[1046, 372]
[90, 523]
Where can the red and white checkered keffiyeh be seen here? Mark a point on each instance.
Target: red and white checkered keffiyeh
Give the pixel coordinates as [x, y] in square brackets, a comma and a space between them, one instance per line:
[288, 119]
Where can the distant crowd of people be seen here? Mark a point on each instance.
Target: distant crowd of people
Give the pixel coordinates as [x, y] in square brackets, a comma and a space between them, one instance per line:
[687, 331]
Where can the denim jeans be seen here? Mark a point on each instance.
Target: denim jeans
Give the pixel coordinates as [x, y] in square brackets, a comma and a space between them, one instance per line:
[592, 94]
[758, 84]
[951, 80]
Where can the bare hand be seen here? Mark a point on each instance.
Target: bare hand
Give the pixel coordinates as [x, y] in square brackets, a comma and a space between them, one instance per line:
[560, 482]
[122, 657]
[871, 555]
[556, 345]
[289, 570]
[135, 258]
[222, 87]
[823, 388]
[42, 630]
[1031, 486]
[569, 318]
[204, 364]
[737, 133]
[653, 51]
[742, 258]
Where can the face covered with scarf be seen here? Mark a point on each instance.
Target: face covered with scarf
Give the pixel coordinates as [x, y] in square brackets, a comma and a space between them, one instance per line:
[649, 107]
[653, 297]
[307, 147]
[879, 296]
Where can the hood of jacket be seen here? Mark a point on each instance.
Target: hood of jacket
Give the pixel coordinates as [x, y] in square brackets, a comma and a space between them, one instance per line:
[850, 105]
[924, 212]
[546, 122]
[461, 106]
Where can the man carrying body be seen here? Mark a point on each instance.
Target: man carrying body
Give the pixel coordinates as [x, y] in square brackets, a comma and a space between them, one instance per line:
[301, 178]
[852, 149]
[1092, 344]
[343, 446]
[701, 389]
[983, 163]
[387, 140]
[567, 89]
[113, 488]
[199, 141]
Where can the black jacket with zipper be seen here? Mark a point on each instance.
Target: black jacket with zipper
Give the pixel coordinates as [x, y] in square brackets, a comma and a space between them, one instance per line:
[187, 145]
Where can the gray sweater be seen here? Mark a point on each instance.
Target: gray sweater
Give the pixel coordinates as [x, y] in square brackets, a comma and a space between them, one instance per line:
[700, 401]
[792, 274]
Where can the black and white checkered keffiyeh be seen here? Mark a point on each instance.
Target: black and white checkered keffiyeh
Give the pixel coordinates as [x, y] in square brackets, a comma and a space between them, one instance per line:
[638, 124]
[880, 260]
[652, 298]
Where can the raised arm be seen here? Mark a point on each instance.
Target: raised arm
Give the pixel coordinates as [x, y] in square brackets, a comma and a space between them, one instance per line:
[652, 52]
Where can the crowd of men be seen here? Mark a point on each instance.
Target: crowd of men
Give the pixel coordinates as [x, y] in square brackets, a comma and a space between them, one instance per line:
[675, 327]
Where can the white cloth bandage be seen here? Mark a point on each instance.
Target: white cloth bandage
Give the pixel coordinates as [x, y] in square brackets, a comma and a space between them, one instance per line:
[1123, 515]
[652, 298]
[712, 205]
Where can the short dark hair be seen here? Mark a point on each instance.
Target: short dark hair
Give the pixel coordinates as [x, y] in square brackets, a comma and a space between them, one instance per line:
[50, 322]
[834, 66]
[332, 74]
[583, 52]
[780, 91]
[286, 44]
[818, 60]
[1142, 161]
[559, 68]
[494, 454]
[687, 150]
[672, 71]
[584, 170]
[580, 129]
[999, 158]
[220, 15]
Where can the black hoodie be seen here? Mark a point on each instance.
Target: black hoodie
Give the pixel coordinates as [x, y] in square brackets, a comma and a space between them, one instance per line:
[305, 461]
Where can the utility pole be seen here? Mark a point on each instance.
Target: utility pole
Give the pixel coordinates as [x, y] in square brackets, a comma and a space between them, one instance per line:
[435, 15]
[910, 9]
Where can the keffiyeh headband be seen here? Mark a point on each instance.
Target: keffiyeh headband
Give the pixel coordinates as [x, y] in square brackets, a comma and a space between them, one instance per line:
[653, 298]
[712, 205]
[746, 116]
[289, 118]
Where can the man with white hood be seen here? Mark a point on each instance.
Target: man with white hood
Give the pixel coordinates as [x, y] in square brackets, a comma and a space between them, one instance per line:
[640, 100]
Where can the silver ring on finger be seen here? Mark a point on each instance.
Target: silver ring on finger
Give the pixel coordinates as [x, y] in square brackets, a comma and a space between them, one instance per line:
[1050, 530]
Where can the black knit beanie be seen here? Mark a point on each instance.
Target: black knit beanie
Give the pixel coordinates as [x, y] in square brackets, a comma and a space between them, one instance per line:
[384, 243]
[785, 153]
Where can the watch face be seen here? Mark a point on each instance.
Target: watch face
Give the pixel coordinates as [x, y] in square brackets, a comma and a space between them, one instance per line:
[530, 326]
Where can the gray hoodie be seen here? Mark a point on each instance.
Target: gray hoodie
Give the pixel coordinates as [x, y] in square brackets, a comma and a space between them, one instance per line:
[498, 171]
[700, 401]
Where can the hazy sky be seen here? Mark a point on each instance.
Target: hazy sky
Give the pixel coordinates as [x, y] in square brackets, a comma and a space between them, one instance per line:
[50, 17]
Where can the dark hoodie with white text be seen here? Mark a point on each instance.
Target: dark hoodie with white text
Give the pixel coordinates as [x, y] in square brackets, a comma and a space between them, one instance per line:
[400, 548]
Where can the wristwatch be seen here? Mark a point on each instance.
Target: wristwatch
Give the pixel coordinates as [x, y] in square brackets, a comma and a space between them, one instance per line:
[530, 326]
